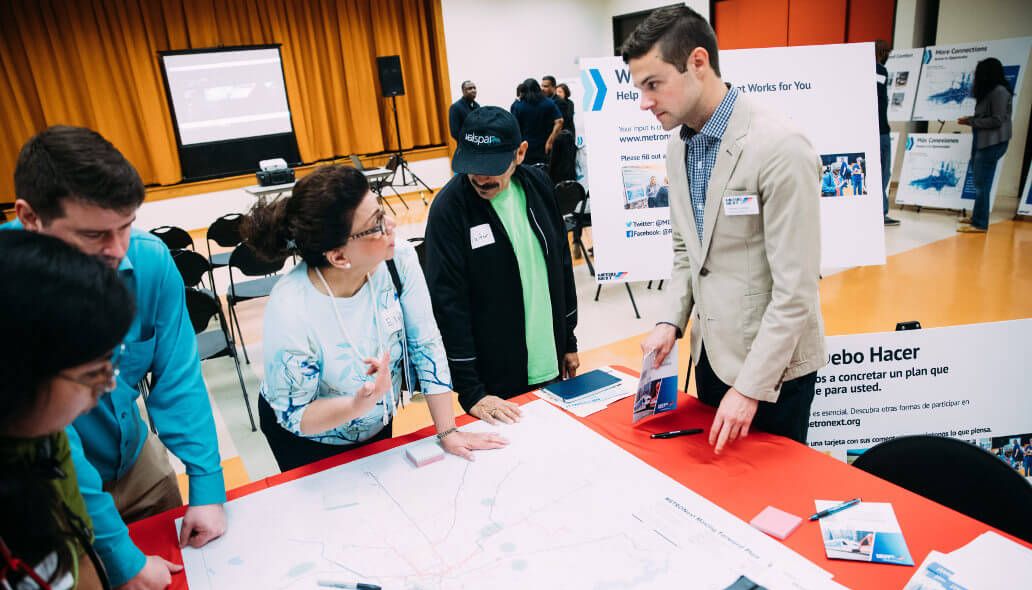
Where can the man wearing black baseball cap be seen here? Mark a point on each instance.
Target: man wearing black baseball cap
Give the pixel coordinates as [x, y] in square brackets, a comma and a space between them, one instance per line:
[499, 271]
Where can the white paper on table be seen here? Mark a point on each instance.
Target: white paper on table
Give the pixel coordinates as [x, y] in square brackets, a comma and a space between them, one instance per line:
[989, 562]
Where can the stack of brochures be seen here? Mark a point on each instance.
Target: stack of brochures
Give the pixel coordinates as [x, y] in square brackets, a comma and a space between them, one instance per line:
[589, 392]
[990, 562]
[867, 531]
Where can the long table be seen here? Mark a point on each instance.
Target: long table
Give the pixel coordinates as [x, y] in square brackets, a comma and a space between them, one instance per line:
[749, 475]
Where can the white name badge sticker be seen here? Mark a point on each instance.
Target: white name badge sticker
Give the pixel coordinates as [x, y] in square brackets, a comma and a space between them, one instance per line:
[391, 312]
[392, 320]
[880, 79]
[480, 236]
[741, 205]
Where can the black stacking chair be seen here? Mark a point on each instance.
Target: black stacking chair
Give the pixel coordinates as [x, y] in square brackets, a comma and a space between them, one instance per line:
[214, 343]
[193, 267]
[224, 231]
[956, 474]
[176, 238]
[246, 263]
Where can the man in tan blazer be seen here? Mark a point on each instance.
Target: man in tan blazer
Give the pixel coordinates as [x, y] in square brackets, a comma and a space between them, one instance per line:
[744, 206]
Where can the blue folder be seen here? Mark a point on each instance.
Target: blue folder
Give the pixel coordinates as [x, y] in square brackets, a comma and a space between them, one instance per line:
[581, 385]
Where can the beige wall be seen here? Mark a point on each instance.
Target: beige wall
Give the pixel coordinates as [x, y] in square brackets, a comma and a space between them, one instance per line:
[965, 21]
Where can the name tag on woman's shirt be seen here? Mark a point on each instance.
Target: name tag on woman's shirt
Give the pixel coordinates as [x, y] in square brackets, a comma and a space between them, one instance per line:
[391, 314]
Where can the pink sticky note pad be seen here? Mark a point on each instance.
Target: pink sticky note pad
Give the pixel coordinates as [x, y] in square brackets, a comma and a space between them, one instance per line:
[776, 523]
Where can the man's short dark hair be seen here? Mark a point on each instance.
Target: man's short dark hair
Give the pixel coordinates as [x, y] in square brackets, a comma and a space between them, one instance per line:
[65, 162]
[678, 30]
[466, 83]
[548, 79]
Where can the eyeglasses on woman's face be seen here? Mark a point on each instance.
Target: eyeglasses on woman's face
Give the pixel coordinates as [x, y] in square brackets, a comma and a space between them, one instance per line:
[380, 228]
[102, 379]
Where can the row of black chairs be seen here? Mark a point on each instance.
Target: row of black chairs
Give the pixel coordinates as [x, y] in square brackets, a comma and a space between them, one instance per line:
[259, 278]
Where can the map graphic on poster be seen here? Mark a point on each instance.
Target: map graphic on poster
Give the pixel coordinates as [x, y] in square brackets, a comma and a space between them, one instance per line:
[1025, 202]
[947, 73]
[934, 168]
[627, 155]
[583, 514]
[904, 68]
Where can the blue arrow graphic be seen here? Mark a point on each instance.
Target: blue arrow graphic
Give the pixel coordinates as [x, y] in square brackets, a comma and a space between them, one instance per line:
[601, 97]
[589, 91]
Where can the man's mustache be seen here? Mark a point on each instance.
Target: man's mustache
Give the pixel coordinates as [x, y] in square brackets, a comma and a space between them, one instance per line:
[486, 187]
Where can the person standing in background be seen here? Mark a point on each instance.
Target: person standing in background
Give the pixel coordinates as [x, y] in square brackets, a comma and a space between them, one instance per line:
[560, 94]
[991, 126]
[539, 120]
[881, 55]
[461, 108]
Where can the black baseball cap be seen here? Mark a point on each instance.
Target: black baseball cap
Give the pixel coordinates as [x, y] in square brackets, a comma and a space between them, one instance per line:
[487, 142]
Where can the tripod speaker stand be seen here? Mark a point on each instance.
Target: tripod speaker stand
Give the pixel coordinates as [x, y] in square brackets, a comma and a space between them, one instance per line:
[391, 86]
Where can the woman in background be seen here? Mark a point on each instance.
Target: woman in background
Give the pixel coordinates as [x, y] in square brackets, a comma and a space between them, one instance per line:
[344, 324]
[65, 315]
[991, 126]
[565, 104]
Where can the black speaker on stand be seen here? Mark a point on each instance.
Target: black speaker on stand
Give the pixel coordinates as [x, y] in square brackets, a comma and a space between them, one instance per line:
[392, 85]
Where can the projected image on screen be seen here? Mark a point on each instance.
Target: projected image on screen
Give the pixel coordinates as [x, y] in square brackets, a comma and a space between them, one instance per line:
[225, 95]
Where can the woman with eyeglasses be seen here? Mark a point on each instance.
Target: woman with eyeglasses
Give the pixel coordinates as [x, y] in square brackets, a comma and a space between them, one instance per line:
[64, 314]
[345, 324]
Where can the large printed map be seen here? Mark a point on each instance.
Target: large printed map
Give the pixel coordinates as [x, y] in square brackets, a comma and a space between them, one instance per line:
[561, 507]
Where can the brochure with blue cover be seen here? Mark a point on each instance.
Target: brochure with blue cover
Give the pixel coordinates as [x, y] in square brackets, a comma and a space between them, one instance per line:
[868, 531]
[582, 385]
[657, 387]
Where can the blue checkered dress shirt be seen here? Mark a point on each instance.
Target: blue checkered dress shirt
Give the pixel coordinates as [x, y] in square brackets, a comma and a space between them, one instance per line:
[701, 153]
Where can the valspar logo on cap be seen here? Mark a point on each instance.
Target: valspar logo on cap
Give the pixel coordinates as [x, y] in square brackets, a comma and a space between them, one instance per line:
[482, 139]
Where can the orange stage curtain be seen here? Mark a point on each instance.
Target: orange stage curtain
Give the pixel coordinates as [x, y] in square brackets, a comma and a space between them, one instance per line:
[94, 63]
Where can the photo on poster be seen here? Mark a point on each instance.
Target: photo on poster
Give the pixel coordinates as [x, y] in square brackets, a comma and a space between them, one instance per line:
[657, 387]
[645, 186]
[1015, 450]
[904, 67]
[844, 175]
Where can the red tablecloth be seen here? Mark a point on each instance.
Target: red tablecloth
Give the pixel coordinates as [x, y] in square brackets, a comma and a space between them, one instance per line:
[749, 475]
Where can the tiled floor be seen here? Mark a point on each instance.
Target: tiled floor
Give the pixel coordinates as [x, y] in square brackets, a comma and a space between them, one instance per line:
[932, 274]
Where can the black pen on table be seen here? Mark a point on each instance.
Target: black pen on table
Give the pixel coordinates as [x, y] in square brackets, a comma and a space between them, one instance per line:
[835, 508]
[348, 585]
[674, 433]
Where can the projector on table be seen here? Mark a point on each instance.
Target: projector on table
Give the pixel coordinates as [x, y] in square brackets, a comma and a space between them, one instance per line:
[274, 171]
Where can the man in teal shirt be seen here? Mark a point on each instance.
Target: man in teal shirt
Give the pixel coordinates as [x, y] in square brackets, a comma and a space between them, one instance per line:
[499, 271]
[73, 184]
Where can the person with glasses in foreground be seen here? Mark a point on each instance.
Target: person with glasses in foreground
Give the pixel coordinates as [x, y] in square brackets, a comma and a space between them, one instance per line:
[345, 324]
[65, 314]
[73, 184]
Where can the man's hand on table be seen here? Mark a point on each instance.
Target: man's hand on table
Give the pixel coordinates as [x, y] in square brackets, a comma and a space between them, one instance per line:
[202, 524]
[155, 575]
[735, 414]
